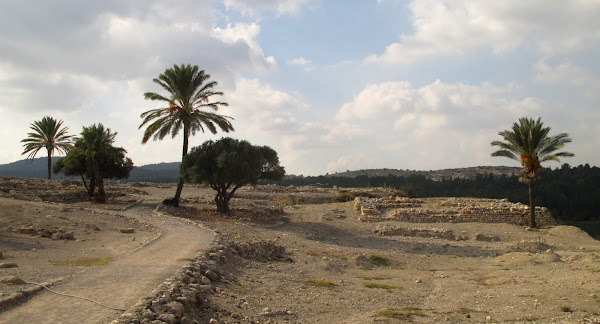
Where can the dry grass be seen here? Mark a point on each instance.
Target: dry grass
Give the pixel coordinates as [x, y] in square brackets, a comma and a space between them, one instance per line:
[83, 262]
[319, 283]
[379, 260]
[380, 286]
[404, 314]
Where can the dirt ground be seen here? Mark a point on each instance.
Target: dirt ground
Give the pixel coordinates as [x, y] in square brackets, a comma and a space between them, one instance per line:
[341, 270]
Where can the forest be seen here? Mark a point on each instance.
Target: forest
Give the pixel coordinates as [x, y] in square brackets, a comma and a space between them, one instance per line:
[571, 193]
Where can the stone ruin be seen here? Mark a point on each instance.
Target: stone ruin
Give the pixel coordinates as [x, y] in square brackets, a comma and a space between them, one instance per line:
[448, 210]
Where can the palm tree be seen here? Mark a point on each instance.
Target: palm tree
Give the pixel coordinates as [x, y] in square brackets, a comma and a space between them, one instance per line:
[188, 95]
[95, 143]
[47, 133]
[529, 142]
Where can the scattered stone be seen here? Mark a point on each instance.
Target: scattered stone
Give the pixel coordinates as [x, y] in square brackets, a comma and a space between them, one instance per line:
[213, 321]
[419, 280]
[27, 230]
[12, 280]
[205, 281]
[211, 275]
[92, 227]
[486, 238]
[167, 318]
[176, 308]
[68, 235]
[127, 230]
[6, 265]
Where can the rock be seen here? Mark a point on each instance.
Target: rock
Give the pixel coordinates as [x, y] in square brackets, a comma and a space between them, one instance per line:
[92, 227]
[12, 280]
[211, 275]
[0, 254]
[363, 261]
[486, 238]
[149, 314]
[7, 265]
[186, 320]
[176, 308]
[205, 281]
[127, 230]
[419, 280]
[57, 236]
[44, 232]
[167, 318]
[27, 230]
[68, 236]
[213, 321]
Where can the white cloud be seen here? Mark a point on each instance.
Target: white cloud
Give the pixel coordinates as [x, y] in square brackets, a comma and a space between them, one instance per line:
[435, 124]
[449, 28]
[258, 107]
[350, 162]
[376, 99]
[257, 7]
[245, 33]
[401, 102]
[568, 74]
[64, 61]
[299, 61]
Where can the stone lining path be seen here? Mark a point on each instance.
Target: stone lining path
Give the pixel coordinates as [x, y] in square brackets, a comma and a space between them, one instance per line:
[122, 282]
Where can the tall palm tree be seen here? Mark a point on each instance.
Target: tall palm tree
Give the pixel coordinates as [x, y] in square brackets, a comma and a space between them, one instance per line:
[47, 133]
[96, 142]
[188, 97]
[529, 142]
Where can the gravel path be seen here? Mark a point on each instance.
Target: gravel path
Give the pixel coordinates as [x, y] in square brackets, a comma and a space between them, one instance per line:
[121, 283]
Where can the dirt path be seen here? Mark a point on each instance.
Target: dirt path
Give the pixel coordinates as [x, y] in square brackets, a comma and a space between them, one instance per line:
[122, 282]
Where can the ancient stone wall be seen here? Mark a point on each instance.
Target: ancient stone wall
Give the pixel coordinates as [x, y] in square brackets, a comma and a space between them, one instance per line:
[185, 297]
[449, 210]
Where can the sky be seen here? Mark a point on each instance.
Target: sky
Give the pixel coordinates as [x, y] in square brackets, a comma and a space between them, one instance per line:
[331, 85]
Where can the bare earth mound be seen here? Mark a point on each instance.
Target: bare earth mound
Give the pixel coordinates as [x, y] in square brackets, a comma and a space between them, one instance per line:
[342, 270]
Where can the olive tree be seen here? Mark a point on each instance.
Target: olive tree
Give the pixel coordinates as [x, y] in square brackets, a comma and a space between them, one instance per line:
[228, 164]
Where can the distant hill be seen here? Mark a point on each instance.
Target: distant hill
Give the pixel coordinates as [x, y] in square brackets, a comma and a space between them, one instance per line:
[38, 168]
[436, 175]
[160, 172]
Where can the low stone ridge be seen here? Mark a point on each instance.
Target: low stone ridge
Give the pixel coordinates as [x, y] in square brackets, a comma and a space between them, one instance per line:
[185, 297]
[439, 233]
[52, 232]
[416, 232]
[448, 210]
[33, 189]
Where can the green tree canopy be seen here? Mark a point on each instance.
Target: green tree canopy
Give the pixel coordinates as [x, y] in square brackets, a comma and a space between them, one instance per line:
[228, 164]
[189, 97]
[95, 144]
[47, 133]
[114, 165]
[530, 143]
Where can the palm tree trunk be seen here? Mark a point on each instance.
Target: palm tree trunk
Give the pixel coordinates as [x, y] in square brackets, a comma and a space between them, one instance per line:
[532, 223]
[49, 163]
[175, 201]
[101, 196]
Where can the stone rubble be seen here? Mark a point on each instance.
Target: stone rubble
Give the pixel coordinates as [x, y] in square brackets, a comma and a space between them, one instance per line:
[184, 298]
[449, 210]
